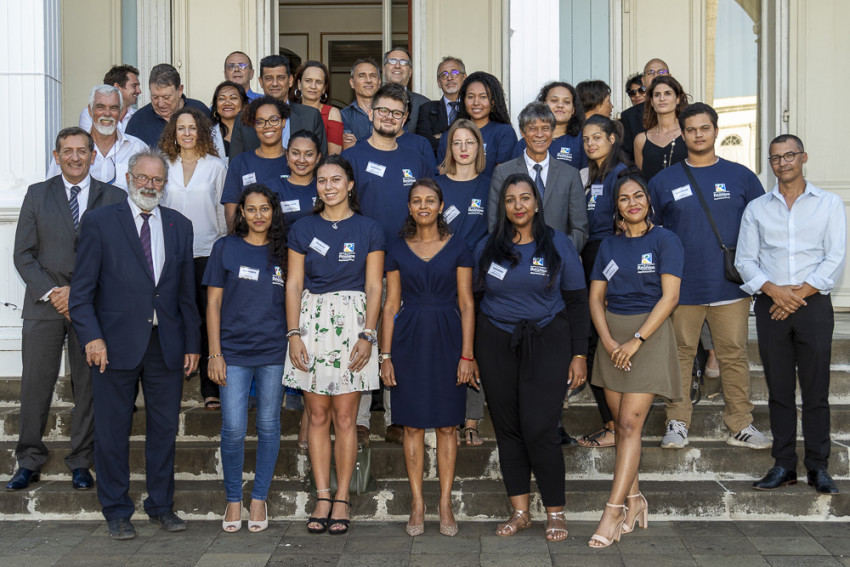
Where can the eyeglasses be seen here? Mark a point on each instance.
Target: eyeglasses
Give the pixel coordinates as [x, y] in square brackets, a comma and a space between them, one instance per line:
[234, 66]
[652, 73]
[384, 111]
[461, 143]
[272, 121]
[394, 61]
[633, 92]
[142, 180]
[445, 74]
[787, 156]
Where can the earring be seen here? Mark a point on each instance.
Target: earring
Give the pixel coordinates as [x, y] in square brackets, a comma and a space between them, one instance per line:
[324, 97]
[536, 209]
[297, 93]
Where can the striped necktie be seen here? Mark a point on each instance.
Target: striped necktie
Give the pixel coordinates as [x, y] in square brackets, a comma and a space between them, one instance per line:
[145, 237]
[538, 178]
[75, 206]
[453, 112]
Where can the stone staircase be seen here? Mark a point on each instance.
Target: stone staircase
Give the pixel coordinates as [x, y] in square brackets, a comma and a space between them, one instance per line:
[707, 480]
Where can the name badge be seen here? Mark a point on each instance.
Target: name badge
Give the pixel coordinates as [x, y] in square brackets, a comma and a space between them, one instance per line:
[450, 214]
[497, 271]
[319, 246]
[610, 270]
[249, 178]
[682, 192]
[246, 273]
[596, 189]
[376, 169]
[293, 206]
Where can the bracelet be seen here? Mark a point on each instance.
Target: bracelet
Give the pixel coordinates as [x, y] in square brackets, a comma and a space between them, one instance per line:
[212, 356]
[368, 337]
[293, 333]
[584, 356]
[467, 359]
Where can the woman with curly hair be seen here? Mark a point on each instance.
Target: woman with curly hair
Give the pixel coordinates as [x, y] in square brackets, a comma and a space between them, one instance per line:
[245, 276]
[566, 144]
[195, 182]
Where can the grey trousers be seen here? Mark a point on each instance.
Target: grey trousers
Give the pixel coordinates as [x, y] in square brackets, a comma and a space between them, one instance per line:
[41, 349]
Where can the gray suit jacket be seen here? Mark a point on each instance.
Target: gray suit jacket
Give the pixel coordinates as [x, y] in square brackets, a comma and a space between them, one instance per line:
[46, 242]
[416, 101]
[563, 199]
[301, 117]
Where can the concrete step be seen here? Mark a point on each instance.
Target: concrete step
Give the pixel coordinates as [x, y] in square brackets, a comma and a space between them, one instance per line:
[473, 500]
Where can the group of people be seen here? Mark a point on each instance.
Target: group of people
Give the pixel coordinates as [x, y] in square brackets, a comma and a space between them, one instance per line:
[274, 241]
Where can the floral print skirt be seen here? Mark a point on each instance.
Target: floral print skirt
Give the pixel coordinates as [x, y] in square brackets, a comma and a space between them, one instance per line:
[330, 323]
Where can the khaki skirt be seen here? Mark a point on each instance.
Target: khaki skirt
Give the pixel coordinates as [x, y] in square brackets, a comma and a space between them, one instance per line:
[655, 366]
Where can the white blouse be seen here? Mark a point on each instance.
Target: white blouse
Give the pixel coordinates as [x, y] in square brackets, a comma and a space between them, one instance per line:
[200, 201]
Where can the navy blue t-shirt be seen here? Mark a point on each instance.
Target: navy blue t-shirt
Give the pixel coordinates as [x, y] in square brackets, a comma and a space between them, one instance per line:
[296, 201]
[601, 206]
[247, 168]
[421, 146]
[513, 294]
[499, 144]
[335, 258]
[383, 180]
[567, 148]
[465, 207]
[727, 188]
[633, 267]
[253, 316]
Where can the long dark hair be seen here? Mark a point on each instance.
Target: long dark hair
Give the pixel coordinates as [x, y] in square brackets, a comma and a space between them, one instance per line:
[500, 244]
[408, 229]
[627, 175]
[577, 119]
[498, 105]
[214, 115]
[277, 228]
[650, 118]
[338, 160]
[597, 173]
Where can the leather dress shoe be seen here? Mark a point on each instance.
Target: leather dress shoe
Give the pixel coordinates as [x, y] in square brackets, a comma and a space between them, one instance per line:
[777, 476]
[169, 521]
[81, 479]
[566, 438]
[22, 479]
[120, 528]
[822, 482]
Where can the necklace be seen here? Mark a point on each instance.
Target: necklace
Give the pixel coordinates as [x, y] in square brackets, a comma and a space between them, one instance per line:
[334, 222]
[262, 155]
[668, 160]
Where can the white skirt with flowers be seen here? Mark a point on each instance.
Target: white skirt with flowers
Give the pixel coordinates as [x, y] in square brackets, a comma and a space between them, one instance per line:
[330, 323]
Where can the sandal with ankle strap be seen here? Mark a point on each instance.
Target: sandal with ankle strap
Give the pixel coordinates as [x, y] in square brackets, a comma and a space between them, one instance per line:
[554, 533]
[323, 522]
[618, 529]
[338, 522]
[519, 520]
[641, 518]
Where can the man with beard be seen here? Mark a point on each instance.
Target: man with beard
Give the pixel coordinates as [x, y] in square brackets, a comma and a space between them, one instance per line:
[436, 116]
[113, 147]
[45, 242]
[133, 307]
[383, 175]
[125, 78]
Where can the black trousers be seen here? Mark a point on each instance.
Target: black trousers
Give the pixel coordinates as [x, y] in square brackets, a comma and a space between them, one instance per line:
[209, 389]
[800, 345]
[523, 409]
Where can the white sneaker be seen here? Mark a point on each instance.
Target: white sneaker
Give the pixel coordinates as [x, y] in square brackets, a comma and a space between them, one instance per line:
[676, 436]
[750, 437]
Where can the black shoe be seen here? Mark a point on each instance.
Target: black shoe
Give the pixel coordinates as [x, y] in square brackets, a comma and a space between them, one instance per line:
[566, 438]
[777, 476]
[81, 479]
[22, 479]
[120, 528]
[822, 482]
[169, 521]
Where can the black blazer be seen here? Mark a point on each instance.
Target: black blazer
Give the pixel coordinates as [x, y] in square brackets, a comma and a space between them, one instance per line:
[632, 121]
[301, 117]
[433, 121]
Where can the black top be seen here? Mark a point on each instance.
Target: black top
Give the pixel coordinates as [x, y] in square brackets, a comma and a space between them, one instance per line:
[656, 158]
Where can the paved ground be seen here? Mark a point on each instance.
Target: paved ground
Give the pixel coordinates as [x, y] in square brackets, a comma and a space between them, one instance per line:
[727, 544]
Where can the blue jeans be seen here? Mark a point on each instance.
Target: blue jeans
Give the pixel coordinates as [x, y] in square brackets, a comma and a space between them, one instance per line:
[234, 425]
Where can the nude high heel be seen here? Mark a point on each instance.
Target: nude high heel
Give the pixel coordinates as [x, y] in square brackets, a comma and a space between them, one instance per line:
[604, 541]
[642, 517]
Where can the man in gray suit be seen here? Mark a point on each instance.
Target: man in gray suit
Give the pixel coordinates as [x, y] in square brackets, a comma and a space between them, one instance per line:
[398, 67]
[559, 183]
[45, 244]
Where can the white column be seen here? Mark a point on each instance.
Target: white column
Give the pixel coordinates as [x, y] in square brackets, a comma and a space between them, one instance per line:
[154, 40]
[30, 80]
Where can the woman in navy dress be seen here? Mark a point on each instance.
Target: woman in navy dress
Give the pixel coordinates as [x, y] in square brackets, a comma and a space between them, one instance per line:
[429, 311]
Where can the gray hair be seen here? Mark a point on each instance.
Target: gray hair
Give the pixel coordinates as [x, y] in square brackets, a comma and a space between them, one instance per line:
[457, 60]
[164, 75]
[152, 153]
[369, 61]
[536, 111]
[106, 90]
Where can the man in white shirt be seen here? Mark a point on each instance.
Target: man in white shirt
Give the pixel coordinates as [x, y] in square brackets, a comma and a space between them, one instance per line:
[126, 79]
[791, 249]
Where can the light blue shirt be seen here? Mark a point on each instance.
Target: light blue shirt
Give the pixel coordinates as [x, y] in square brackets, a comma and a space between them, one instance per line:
[805, 244]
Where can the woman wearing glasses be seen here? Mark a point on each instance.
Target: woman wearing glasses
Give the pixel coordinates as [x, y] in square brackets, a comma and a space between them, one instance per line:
[661, 145]
[566, 143]
[635, 89]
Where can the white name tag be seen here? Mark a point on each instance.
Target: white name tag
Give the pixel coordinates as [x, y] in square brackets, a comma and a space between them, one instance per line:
[450, 214]
[682, 192]
[290, 206]
[376, 169]
[319, 246]
[610, 270]
[497, 271]
[249, 178]
[246, 273]
[596, 189]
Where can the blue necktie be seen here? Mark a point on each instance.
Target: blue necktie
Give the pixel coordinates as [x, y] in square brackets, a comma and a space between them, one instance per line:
[538, 179]
[75, 206]
[452, 112]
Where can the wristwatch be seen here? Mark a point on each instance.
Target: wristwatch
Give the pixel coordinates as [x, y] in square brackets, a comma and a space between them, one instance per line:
[640, 338]
[383, 357]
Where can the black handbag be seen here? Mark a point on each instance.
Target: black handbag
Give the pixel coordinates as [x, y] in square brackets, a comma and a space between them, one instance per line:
[729, 269]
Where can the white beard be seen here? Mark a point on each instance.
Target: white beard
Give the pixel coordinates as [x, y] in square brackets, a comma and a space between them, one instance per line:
[143, 201]
[105, 130]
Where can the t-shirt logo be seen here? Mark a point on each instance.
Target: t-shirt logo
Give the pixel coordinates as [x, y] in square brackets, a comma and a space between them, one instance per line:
[537, 261]
[348, 247]
[646, 258]
[564, 154]
[646, 266]
[537, 268]
[720, 191]
[347, 254]
[591, 203]
[277, 278]
[408, 177]
[475, 207]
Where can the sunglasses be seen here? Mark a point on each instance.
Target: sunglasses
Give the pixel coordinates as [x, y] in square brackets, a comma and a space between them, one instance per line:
[634, 92]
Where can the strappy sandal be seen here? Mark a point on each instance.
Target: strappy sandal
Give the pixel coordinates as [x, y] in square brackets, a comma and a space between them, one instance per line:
[618, 529]
[553, 533]
[592, 440]
[323, 522]
[641, 518]
[473, 438]
[518, 521]
[339, 522]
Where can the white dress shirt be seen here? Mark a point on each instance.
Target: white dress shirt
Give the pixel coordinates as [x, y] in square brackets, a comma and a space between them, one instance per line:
[157, 241]
[530, 163]
[200, 200]
[805, 244]
[86, 122]
[111, 168]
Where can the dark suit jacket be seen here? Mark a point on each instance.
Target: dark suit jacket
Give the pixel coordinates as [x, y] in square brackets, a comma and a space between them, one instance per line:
[563, 200]
[301, 117]
[416, 102]
[46, 242]
[432, 120]
[113, 295]
[632, 121]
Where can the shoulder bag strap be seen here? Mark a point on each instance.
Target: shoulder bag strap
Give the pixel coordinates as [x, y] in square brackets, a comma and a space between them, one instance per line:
[703, 203]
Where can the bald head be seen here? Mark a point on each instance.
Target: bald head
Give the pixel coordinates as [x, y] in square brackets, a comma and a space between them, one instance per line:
[652, 69]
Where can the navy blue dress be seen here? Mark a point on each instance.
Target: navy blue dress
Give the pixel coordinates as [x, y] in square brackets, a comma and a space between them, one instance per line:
[427, 336]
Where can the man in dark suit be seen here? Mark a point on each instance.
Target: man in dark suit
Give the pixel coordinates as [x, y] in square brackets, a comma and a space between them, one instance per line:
[398, 67]
[133, 297]
[276, 80]
[632, 117]
[436, 116]
[45, 243]
[559, 183]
